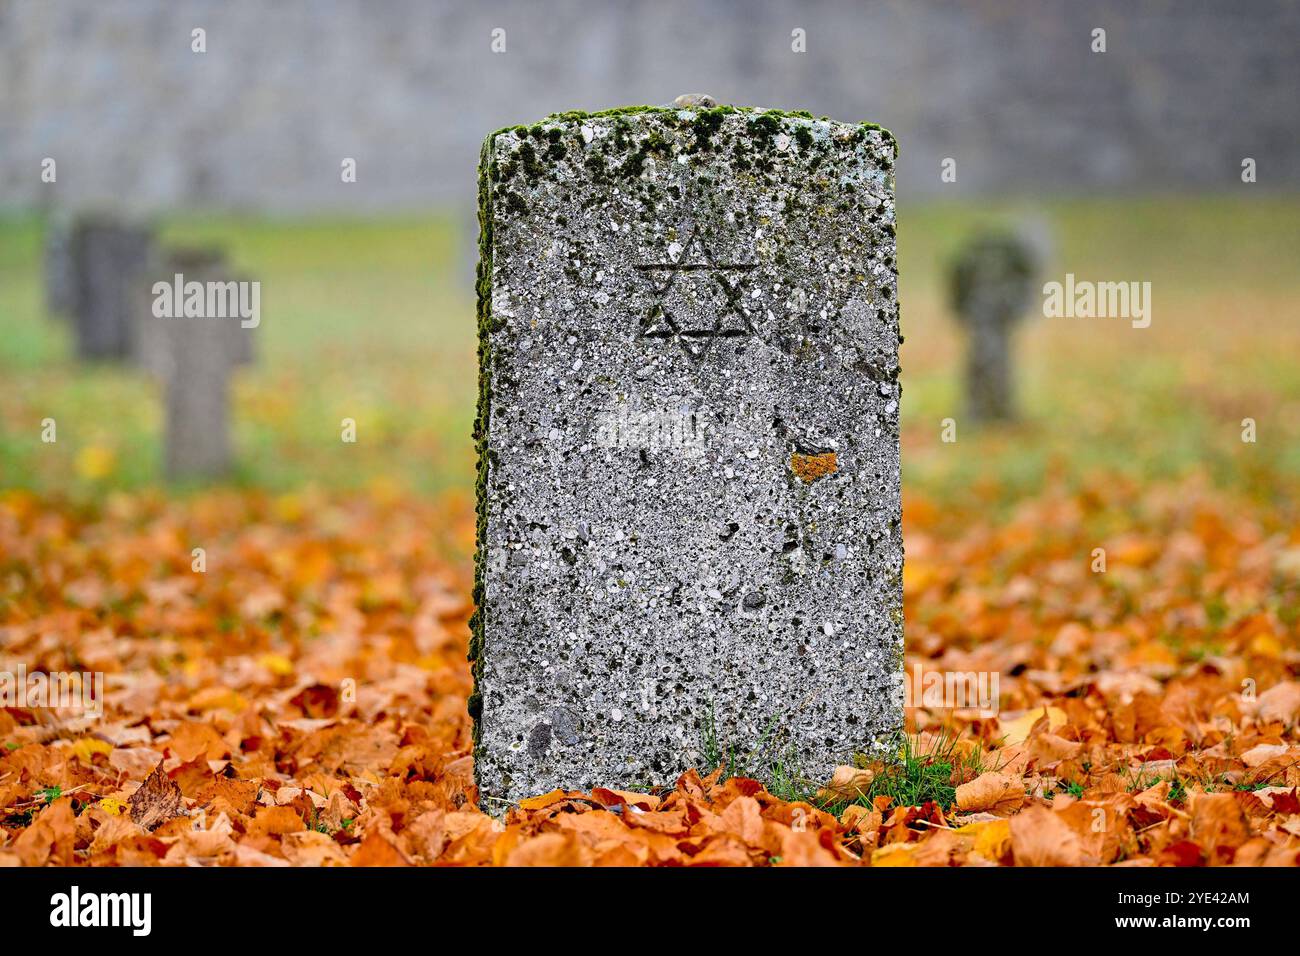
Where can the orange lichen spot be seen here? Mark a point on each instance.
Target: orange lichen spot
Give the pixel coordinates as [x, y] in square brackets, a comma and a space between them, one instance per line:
[811, 467]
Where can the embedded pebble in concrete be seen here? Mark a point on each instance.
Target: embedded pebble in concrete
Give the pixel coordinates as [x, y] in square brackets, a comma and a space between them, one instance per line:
[689, 514]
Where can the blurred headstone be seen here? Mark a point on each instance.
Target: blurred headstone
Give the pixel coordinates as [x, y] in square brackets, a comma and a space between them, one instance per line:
[60, 271]
[200, 263]
[192, 356]
[688, 440]
[992, 283]
[109, 262]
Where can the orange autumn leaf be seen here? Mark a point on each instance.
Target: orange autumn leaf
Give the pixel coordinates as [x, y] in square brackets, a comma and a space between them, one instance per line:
[306, 698]
[998, 793]
[611, 798]
[1017, 730]
[1040, 837]
[548, 799]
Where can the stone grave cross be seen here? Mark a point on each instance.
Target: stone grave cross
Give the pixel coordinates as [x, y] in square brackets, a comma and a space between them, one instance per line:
[992, 284]
[192, 356]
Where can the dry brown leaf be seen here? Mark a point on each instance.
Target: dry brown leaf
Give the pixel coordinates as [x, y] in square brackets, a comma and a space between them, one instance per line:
[846, 783]
[1040, 837]
[998, 793]
[156, 801]
[1263, 753]
[1279, 702]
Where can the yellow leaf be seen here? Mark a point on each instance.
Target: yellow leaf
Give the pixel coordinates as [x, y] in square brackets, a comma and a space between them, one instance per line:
[96, 462]
[385, 490]
[1266, 645]
[289, 508]
[112, 805]
[896, 854]
[217, 698]
[85, 748]
[1017, 731]
[277, 664]
[993, 839]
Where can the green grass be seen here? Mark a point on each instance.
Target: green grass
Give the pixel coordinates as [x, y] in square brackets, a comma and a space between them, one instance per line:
[923, 774]
[1098, 396]
[766, 760]
[373, 321]
[360, 320]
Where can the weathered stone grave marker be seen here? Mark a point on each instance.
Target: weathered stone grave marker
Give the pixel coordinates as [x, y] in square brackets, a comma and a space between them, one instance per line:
[993, 280]
[59, 269]
[192, 356]
[109, 259]
[688, 433]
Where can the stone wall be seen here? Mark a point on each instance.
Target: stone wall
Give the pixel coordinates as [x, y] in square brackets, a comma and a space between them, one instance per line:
[409, 88]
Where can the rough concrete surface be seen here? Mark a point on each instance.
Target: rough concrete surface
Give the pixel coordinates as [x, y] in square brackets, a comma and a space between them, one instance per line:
[689, 477]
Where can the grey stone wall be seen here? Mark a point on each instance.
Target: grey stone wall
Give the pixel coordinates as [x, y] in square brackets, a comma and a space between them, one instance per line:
[409, 88]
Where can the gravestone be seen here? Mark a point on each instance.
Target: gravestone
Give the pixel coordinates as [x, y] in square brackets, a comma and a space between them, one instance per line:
[192, 358]
[689, 512]
[59, 268]
[170, 265]
[109, 259]
[993, 281]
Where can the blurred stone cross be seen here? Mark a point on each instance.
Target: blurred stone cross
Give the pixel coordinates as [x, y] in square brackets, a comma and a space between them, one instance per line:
[192, 353]
[992, 283]
[685, 550]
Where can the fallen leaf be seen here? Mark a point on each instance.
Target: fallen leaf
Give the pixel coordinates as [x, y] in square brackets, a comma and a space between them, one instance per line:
[846, 783]
[1039, 837]
[156, 801]
[997, 793]
[1017, 730]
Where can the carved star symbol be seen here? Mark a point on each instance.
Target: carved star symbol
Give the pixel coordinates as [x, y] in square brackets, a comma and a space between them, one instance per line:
[729, 322]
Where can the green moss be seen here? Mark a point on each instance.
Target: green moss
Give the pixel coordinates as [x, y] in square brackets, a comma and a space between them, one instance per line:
[635, 161]
[710, 116]
[482, 420]
[533, 168]
[764, 126]
[513, 202]
[708, 122]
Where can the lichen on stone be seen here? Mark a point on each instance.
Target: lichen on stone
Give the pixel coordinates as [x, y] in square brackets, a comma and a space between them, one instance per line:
[811, 467]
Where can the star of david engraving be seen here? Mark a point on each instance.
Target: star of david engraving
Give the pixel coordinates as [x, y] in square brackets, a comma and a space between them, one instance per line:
[729, 322]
